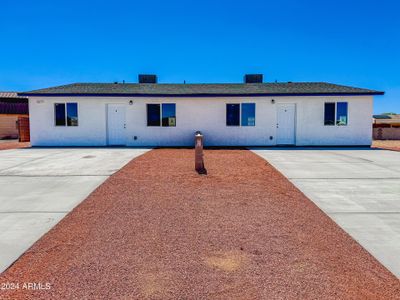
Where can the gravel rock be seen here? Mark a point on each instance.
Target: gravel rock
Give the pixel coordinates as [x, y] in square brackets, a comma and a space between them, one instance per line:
[158, 230]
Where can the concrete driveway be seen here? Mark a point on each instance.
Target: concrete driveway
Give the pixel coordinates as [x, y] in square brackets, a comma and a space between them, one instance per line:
[40, 186]
[358, 188]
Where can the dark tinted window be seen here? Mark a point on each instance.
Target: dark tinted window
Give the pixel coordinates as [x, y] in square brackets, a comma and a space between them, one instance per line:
[232, 114]
[72, 114]
[153, 115]
[329, 113]
[341, 115]
[59, 114]
[168, 115]
[248, 114]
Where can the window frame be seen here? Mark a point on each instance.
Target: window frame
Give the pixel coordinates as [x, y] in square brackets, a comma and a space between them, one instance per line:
[240, 114]
[55, 114]
[161, 114]
[77, 114]
[347, 114]
[226, 114]
[335, 113]
[162, 111]
[65, 114]
[147, 114]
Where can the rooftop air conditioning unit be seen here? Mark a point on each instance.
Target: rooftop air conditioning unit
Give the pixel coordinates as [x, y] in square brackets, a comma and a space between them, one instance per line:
[253, 78]
[145, 78]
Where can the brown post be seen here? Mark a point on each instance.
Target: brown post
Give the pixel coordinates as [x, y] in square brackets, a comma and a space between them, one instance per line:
[198, 150]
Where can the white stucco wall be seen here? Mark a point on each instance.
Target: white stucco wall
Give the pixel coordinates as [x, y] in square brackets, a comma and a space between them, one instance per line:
[205, 114]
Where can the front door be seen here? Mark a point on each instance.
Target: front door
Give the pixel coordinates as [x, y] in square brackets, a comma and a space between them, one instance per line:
[116, 124]
[286, 120]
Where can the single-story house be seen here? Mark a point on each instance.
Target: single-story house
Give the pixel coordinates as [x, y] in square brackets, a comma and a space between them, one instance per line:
[386, 121]
[252, 113]
[386, 127]
[12, 107]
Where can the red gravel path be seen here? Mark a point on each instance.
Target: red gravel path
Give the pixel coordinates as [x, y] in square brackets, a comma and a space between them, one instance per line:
[13, 145]
[157, 230]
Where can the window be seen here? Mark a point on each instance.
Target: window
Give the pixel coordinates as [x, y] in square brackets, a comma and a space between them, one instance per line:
[168, 115]
[341, 114]
[340, 110]
[153, 115]
[161, 115]
[248, 114]
[329, 113]
[72, 114]
[232, 114]
[66, 114]
[59, 114]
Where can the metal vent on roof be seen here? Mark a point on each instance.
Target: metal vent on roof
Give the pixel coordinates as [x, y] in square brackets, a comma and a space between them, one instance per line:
[145, 78]
[253, 78]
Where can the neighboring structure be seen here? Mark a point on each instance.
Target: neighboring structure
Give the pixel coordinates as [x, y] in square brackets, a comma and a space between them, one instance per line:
[386, 127]
[12, 107]
[247, 114]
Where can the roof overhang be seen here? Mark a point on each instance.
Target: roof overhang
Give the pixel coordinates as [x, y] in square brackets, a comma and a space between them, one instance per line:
[191, 95]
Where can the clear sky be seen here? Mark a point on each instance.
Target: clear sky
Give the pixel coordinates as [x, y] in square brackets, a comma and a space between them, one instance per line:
[51, 42]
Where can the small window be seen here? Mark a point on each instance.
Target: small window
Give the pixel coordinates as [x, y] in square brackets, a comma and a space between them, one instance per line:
[329, 118]
[248, 114]
[341, 114]
[72, 114]
[161, 115]
[153, 115]
[59, 114]
[232, 114]
[168, 115]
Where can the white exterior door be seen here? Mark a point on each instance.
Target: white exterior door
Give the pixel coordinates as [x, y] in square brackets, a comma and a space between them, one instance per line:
[116, 124]
[286, 120]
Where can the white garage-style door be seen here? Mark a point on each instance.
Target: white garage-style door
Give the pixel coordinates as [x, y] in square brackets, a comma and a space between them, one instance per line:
[116, 124]
[286, 124]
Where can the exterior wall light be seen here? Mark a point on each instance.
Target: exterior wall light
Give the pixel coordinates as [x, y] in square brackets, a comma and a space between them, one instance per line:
[273, 101]
[130, 102]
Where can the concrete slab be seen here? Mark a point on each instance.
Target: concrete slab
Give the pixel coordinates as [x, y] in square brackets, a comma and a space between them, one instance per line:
[48, 193]
[19, 231]
[377, 232]
[57, 162]
[343, 195]
[39, 186]
[359, 188]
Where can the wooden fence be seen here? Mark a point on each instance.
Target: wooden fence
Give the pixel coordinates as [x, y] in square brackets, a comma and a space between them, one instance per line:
[23, 129]
[386, 133]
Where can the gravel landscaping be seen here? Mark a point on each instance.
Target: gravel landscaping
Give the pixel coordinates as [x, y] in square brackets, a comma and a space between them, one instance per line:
[12, 144]
[387, 144]
[158, 230]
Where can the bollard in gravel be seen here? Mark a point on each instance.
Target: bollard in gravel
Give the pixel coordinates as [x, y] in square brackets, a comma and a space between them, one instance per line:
[199, 157]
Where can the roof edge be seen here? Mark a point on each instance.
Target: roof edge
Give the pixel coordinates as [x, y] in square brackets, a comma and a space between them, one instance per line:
[27, 94]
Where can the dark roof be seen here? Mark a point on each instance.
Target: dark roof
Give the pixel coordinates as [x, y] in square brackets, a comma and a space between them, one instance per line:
[11, 103]
[10, 95]
[229, 89]
[381, 116]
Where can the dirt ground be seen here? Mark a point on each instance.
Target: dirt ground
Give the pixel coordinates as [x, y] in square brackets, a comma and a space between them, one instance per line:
[158, 230]
[390, 145]
[12, 144]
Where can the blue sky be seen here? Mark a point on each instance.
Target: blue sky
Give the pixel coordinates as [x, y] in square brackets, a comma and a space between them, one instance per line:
[46, 43]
